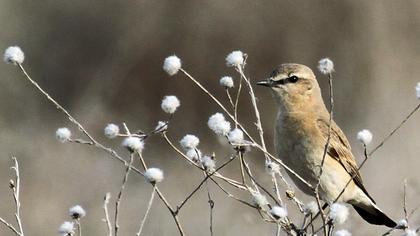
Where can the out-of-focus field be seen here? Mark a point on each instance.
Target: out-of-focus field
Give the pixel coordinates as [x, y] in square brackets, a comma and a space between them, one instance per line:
[103, 61]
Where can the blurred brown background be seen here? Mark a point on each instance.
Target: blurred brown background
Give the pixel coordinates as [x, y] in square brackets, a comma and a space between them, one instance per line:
[103, 61]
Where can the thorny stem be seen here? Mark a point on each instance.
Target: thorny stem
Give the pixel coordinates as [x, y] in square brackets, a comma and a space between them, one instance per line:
[149, 206]
[120, 194]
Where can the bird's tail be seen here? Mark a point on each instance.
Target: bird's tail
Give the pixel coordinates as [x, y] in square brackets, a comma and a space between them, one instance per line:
[372, 214]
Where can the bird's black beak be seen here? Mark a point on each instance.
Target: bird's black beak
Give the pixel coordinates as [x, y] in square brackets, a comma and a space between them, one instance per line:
[266, 83]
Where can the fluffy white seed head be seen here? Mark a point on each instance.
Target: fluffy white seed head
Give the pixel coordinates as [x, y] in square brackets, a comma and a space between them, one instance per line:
[418, 90]
[111, 131]
[235, 58]
[364, 136]
[171, 65]
[209, 163]
[194, 155]
[189, 141]
[403, 223]
[236, 136]
[226, 81]
[326, 66]
[77, 212]
[63, 134]
[311, 208]
[154, 175]
[14, 55]
[339, 213]
[170, 104]
[271, 167]
[278, 212]
[133, 144]
[410, 232]
[218, 124]
[342, 232]
[66, 229]
[259, 200]
[161, 126]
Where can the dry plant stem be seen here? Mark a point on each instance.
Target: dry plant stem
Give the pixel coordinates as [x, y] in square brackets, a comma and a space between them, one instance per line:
[256, 111]
[16, 195]
[238, 94]
[149, 206]
[207, 176]
[10, 226]
[405, 201]
[244, 130]
[120, 194]
[107, 220]
[230, 99]
[79, 227]
[324, 155]
[74, 121]
[367, 155]
[216, 174]
[163, 199]
[395, 130]
[211, 205]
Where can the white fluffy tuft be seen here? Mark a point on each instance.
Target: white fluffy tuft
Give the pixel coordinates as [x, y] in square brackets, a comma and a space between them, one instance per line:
[77, 212]
[218, 124]
[154, 175]
[170, 104]
[326, 66]
[410, 232]
[67, 228]
[311, 208]
[342, 232]
[259, 200]
[226, 81]
[271, 167]
[63, 134]
[208, 163]
[172, 64]
[111, 131]
[235, 58]
[339, 213]
[194, 155]
[189, 141]
[418, 90]
[278, 212]
[161, 126]
[14, 55]
[236, 136]
[133, 144]
[364, 136]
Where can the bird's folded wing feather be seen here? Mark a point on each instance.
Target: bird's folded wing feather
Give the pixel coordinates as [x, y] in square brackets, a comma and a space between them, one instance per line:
[339, 149]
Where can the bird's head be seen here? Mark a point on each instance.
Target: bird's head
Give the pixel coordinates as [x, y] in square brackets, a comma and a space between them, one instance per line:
[294, 87]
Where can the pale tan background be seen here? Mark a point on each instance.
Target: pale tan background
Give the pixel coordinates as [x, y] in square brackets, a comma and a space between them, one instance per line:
[102, 60]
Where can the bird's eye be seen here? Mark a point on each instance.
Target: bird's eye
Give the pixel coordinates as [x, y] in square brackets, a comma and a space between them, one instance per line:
[293, 79]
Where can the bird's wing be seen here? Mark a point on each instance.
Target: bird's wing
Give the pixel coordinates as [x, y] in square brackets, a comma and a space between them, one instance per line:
[339, 149]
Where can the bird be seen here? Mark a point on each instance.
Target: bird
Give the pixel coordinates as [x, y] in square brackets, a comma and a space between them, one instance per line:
[300, 136]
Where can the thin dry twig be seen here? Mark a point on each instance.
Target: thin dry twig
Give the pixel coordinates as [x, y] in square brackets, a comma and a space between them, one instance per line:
[120, 194]
[107, 220]
[149, 206]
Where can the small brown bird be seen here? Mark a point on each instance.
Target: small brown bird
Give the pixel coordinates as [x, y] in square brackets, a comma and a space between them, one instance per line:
[301, 134]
